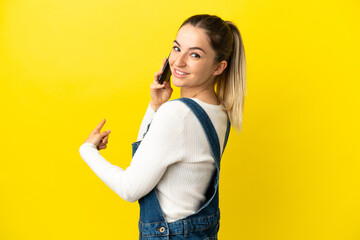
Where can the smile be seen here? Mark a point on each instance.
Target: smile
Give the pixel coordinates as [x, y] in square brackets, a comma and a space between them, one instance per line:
[182, 73]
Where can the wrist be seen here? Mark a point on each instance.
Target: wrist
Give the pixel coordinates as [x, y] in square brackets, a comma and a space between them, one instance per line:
[154, 106]
[89, 144]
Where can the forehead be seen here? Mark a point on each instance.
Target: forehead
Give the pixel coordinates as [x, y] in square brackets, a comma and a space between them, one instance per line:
[189, 36]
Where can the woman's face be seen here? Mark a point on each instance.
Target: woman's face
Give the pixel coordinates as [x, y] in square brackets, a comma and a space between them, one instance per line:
[192, 59]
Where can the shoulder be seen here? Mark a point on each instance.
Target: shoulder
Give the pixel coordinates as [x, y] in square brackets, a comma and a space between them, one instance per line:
[171, 117]
[173, 109]
[169, 121]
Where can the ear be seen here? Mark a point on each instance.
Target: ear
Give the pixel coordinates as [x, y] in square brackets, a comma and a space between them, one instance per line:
[220, 68]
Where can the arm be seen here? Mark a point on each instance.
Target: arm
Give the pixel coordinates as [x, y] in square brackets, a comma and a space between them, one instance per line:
[151, 160]
[161, 147]
[145, 122]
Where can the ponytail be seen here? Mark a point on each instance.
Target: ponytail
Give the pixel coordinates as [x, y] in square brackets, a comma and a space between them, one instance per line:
[231, 86]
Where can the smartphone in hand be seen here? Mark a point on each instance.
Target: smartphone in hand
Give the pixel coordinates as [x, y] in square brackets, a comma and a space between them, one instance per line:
[165, 76]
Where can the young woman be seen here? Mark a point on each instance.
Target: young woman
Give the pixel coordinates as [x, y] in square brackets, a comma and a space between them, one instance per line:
[174, 172]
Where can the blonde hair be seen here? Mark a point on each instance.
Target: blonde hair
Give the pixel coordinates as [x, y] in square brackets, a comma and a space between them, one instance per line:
[231, 87]
[226, 41]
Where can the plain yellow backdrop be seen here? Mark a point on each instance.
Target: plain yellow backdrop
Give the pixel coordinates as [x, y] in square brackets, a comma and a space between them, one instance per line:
[292, 173]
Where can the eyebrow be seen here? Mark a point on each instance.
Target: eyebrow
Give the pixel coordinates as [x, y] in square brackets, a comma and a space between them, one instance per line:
[191, 47]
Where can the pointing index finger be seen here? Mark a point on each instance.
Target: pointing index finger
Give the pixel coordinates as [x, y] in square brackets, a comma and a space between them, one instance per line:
[101, 124]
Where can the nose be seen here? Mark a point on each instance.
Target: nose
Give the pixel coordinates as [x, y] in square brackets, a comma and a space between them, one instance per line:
[180, 60]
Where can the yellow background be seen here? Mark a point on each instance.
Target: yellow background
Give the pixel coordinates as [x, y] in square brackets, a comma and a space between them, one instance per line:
[293, 172]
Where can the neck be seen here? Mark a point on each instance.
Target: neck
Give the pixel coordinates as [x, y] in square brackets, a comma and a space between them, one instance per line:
[205, 94]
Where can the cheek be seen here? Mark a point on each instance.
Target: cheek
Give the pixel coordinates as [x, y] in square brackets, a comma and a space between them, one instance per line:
[171, 64]
[203, 69]
[171, 60]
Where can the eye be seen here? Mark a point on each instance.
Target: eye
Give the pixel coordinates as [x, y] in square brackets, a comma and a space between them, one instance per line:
[176, 48]
[195, 55]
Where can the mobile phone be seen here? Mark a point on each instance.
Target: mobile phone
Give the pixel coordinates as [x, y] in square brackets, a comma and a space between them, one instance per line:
[165, 76]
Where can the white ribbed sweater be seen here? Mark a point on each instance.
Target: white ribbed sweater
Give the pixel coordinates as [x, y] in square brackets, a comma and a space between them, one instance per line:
[174, 157]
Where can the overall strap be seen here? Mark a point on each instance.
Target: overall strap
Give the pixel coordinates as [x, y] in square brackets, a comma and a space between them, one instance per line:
[209, 128]
[227, 132]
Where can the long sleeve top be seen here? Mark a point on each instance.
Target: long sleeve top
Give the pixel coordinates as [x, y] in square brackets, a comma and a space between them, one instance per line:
[174, 157]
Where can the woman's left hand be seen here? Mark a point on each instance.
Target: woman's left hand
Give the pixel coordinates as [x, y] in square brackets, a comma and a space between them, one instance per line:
[99, 139]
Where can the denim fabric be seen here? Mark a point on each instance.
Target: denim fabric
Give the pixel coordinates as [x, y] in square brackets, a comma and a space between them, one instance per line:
[204, 224]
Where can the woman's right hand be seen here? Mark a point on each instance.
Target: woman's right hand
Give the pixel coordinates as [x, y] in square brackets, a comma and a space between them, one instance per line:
[160, 93]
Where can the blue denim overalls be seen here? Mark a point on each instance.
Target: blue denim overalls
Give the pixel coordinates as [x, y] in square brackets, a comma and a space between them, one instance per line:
[204, 224]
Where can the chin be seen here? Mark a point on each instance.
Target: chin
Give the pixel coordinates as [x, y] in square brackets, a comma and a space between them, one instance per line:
[176, 82]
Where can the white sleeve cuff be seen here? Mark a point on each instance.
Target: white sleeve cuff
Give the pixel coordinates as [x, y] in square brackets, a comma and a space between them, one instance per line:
[88, 145]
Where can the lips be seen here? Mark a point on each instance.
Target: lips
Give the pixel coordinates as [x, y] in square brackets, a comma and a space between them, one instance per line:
[179, 73]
